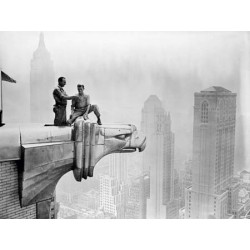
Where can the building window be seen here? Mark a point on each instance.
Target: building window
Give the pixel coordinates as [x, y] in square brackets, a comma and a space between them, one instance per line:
[204, 112]
[222, 109]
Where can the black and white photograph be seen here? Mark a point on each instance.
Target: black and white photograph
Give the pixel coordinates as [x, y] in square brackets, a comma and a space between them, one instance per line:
[120, 127]
[125, 125]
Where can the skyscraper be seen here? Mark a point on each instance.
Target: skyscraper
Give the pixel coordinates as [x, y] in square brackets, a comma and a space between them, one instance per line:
[242, 158]
[114, 186]
[213, 154]
[158, 158]
[118, 167]
[137, 198]
[111, 196]
[42, 82]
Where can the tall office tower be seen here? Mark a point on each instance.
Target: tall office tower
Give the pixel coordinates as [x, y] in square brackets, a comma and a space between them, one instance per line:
[42, 82]
[158, 157]
[213, 154]
[137, 199]
[111, 196]
[177, 186]
[185, 180]
[118, 167]
[118, 170]
[188, 173]
[174, 205]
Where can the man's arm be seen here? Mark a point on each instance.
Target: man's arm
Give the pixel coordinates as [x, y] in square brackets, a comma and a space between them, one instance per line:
[62, 96]
[56, 97]
[73, 105]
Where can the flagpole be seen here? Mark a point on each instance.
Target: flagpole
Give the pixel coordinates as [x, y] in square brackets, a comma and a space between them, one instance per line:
[3, 77]
[1, 93]
[1, 110]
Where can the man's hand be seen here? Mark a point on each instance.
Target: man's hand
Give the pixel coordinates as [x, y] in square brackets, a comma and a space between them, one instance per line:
[75, 97]
[85, 117]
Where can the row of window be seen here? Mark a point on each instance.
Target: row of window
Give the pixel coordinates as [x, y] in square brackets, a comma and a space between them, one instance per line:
[223, 112]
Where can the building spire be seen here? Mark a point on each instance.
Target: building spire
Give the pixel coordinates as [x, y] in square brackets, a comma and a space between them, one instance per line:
[41, 41]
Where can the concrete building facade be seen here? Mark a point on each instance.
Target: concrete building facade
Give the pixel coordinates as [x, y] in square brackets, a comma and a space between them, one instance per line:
[213, 155]
[158, 159]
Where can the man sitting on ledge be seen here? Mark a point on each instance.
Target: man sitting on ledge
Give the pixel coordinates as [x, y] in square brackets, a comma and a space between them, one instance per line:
[81, 107]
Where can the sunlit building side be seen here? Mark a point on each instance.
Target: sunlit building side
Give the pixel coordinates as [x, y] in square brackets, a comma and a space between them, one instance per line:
[111, 196]
[114, 186]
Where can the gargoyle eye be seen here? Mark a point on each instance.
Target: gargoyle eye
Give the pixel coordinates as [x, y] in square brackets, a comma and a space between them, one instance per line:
[121, 137]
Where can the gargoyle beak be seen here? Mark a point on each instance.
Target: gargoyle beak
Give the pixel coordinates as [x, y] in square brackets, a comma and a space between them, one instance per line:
[143, 146]
[136, 141]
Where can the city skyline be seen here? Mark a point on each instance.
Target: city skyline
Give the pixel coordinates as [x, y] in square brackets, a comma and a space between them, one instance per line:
[161, 63]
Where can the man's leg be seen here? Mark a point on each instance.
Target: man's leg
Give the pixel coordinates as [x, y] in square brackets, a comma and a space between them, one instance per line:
[74, 116]
[94, 108]
[60, 116]
[56, 120]
[64, 117]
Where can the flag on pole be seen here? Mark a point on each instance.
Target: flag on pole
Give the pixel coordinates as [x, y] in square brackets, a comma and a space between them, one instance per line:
[6, 78]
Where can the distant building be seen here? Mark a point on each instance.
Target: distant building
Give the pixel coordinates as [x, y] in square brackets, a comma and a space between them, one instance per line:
[118, 167]
[137, 198]
[243, 205]
[172, 209]
[188, 173]
[245, 177]
[118, 176]
[185, 180]
[233, 194]
[89, 200]
[42, 82]
[75, 212]
[177, 187]
[158, 157]
[213, 192]
[182, 213]
[112, 196]
[242, 156]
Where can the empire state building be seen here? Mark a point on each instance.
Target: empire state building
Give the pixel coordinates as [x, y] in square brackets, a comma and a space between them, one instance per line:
[42, 79]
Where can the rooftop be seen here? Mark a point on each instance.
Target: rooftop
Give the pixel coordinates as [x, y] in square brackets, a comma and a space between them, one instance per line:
[216, 89]
[153, 99]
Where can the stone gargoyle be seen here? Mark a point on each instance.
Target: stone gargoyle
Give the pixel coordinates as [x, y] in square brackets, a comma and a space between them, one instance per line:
[45, 153]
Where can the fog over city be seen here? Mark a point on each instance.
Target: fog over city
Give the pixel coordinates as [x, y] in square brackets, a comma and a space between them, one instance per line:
[120, 70]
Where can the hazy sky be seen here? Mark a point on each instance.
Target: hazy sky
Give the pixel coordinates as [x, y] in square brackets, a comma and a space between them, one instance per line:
[121, 69]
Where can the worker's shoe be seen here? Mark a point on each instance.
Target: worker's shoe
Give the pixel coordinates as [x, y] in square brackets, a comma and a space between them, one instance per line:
[99, 121]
